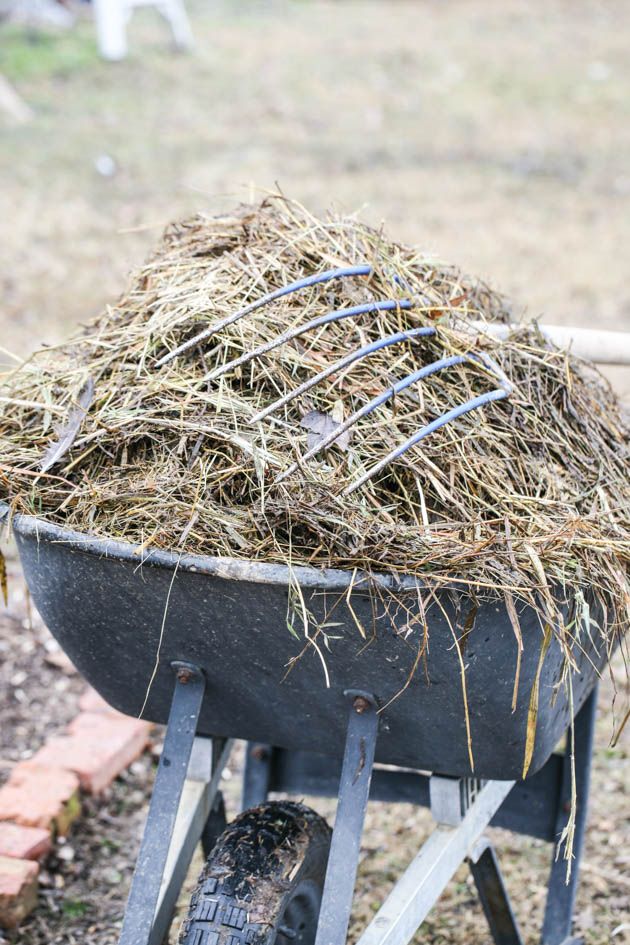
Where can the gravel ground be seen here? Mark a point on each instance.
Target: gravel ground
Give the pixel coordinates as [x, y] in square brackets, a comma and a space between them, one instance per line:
[38, 685]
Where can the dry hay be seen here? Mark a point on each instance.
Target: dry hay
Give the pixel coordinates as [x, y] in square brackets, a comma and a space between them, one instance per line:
[527, 497]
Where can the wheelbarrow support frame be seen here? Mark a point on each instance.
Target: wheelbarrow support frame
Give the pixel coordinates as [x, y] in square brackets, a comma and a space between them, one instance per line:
[186, 798]
[462, 809]
[354, 791]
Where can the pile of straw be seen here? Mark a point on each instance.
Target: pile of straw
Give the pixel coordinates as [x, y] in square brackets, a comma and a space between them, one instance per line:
[526, 497]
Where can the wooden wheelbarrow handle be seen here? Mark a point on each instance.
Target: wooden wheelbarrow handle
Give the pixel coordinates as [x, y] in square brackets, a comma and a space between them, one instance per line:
[604, 347]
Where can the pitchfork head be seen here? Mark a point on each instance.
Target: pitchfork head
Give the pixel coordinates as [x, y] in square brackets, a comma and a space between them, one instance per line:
[504, 388]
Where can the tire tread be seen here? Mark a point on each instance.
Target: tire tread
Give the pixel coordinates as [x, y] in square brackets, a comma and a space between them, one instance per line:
[239, 878]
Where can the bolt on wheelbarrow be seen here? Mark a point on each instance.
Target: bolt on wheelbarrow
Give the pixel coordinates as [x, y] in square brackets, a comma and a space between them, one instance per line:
[218, 628]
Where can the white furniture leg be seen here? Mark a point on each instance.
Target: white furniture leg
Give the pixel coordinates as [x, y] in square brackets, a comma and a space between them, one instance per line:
[111, 28]
[174, 12]
[112, 16]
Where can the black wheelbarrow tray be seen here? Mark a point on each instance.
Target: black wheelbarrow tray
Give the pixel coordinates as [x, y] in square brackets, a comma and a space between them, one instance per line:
[221, 648]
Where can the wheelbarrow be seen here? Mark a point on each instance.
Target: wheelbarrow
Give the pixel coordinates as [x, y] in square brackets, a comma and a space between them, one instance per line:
[359, 710]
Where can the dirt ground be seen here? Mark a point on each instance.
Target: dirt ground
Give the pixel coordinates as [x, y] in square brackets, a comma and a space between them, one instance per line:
[495, 135]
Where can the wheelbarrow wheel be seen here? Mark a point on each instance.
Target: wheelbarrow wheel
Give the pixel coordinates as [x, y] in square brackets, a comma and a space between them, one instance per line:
[262, 883]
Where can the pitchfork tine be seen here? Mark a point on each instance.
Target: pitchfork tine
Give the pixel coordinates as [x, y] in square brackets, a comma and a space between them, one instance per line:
[341, 364]
[327, 276]
[302, 329]
[373, 404]
[453, 414]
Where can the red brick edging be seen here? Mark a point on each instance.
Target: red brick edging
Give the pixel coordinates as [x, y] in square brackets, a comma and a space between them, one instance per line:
[41, 799]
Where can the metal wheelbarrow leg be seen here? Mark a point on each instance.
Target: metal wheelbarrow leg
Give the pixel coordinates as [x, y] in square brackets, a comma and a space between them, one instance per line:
[183, 795]
[354, 790]
[492, 893]
[561, 894]
[463, 808]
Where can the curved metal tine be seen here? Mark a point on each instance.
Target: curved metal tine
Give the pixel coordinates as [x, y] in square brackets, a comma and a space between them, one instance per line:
[341, 364]
[494, 368]
[316, 279]
[377, 401]
[453, 414]
[335, 316]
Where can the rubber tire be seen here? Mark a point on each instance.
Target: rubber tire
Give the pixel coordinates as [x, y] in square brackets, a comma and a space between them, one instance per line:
[215, 825]
[263, 879]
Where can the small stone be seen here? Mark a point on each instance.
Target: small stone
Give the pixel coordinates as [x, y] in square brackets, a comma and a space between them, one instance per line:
[105, 165]
[112, 876]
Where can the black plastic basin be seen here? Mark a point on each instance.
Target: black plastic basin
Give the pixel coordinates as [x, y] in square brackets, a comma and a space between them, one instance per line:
[117, 615]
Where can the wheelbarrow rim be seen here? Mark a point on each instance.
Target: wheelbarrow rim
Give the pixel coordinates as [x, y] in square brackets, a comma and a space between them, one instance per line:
[233, 569]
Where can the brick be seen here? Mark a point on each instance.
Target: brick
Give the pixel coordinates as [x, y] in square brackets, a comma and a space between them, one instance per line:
[36, 796]
[97, 748]
[18, 890]
[90, 701]
[24, 843]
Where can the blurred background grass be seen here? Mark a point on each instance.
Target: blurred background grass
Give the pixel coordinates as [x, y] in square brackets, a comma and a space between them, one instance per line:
[492, 134]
